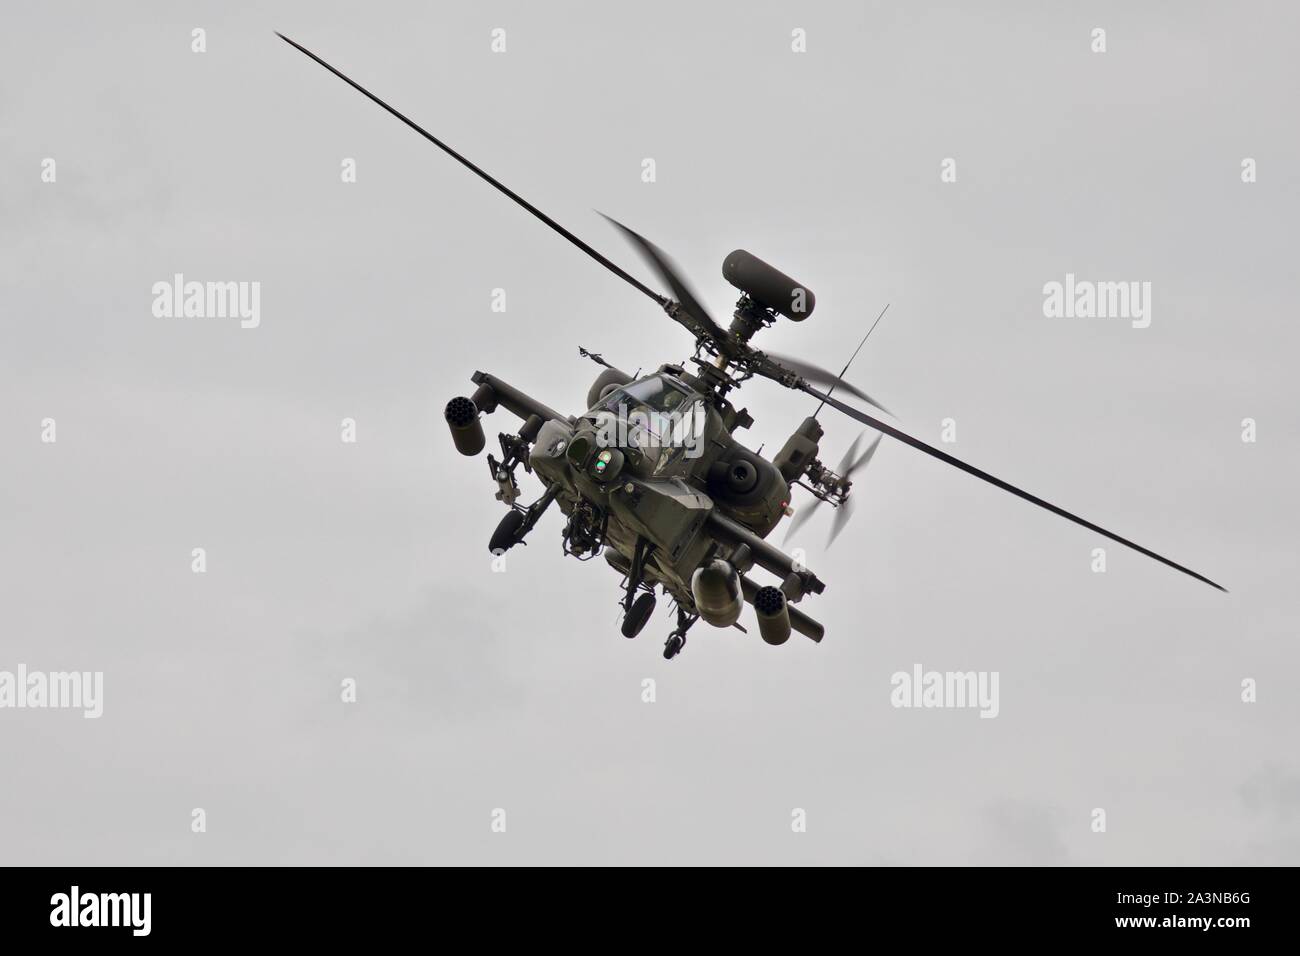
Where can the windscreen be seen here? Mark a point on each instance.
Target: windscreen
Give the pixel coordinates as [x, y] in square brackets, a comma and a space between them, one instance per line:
[656, 419]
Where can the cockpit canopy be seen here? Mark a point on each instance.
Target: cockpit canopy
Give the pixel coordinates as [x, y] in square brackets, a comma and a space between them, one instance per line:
[661, 393]
[657, 421]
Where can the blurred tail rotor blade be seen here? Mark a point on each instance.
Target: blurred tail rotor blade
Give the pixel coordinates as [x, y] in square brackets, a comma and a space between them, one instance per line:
[848, 466]
[846, 463]
[800, 518]
[866, 455]
[842, 515]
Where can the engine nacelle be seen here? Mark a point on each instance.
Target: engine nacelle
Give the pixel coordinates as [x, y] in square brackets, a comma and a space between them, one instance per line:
[716, 589]
[799, 449]
[606, 382]
[773, 612]
[466, 429]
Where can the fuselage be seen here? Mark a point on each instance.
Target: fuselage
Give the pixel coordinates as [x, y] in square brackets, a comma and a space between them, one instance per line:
[655, 457]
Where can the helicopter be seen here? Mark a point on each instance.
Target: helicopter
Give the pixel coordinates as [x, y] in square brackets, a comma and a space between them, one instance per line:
[651, 477]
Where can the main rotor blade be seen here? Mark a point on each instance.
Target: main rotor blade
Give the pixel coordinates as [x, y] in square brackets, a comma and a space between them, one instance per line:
[943, 456]
[669, 273]
[497, 184]
[825, 377]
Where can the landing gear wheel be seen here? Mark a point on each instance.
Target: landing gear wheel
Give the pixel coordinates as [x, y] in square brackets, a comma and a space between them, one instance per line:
[638, 614]
[506, 536]
[674, 645]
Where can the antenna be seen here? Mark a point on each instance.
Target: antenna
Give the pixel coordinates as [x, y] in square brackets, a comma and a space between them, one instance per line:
[852, 357]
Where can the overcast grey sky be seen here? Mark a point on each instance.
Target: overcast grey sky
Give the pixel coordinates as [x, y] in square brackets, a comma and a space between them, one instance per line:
[479, 690]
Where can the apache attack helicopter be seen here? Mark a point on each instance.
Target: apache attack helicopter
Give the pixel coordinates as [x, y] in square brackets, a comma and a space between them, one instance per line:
[651, 475]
